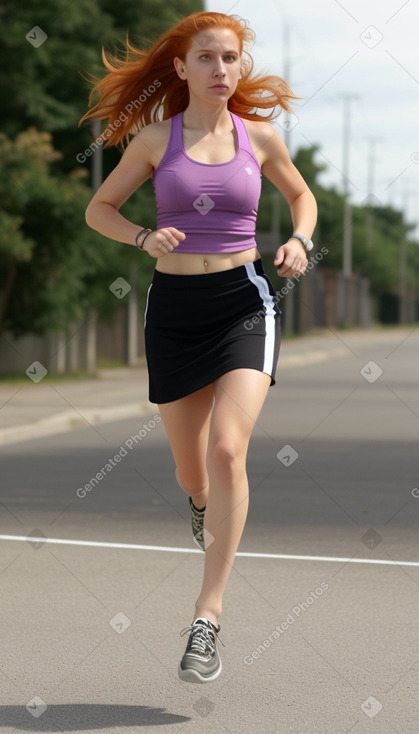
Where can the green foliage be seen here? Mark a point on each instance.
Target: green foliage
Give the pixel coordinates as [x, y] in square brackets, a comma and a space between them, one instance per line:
[46, 251]
[145, 21]
[376, 232]
[46, 87]
[309, 168]
[52, 266]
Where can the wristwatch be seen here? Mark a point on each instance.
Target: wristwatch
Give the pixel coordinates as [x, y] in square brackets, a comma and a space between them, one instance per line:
[305, 241]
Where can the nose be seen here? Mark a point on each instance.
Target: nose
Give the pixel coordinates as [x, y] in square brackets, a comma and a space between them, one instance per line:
[219, 70]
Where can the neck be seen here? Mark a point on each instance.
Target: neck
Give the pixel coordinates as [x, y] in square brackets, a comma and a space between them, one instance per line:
[208, 118]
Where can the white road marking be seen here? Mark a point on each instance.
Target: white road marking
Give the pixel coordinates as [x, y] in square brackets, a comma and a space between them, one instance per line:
[170, 549]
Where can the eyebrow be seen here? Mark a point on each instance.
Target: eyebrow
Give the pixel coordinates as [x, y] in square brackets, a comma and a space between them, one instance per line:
[210, 50]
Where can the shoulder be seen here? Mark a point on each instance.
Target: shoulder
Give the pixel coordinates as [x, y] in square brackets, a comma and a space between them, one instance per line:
[155, 130]
[154, 138]
[265, 140]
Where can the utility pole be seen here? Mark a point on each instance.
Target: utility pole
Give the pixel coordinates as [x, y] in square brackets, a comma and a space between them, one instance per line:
[91, 324]
[289, 320]
[373, 140]
[371, 198]
[403, 295]
[347, 209]
[403, 280]
[287, 76]
[276, 196]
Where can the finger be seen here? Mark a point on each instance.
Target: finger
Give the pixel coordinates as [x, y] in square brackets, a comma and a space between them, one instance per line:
[287, 267]
[180, 236]
[279, 258]
[164, 237]
[285, 273]
[172, 237]
[296, 265]
[291, 272]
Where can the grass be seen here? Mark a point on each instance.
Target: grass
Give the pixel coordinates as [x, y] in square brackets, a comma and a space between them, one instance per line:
[18, 379]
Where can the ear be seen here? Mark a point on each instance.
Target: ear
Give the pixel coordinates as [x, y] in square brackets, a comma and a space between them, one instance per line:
[180, 67]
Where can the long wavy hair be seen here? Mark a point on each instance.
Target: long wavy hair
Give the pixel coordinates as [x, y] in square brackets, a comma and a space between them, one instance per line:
[144, 87]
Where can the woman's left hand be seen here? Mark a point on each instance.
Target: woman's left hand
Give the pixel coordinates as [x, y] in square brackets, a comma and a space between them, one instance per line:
[291, 259]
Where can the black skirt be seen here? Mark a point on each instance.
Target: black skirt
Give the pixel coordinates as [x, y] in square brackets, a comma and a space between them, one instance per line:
[198, 327]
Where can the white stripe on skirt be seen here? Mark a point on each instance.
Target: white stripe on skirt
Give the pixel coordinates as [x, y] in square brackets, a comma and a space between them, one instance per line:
[268, 304]
[146, 304]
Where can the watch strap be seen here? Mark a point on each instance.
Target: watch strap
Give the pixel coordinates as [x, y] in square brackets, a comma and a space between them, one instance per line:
[305, 241]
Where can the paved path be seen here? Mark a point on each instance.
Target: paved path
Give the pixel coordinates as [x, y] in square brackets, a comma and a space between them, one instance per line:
[320, 620]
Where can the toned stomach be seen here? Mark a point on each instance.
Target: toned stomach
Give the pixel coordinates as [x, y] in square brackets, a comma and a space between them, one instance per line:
[197, 264]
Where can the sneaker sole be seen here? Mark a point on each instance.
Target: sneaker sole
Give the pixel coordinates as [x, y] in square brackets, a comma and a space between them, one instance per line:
[192, 676]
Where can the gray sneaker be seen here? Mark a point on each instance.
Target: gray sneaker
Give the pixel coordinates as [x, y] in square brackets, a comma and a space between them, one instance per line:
[201, 662]
[197, 520]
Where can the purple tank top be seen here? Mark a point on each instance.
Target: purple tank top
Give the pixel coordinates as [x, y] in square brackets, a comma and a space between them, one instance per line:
[214, 205]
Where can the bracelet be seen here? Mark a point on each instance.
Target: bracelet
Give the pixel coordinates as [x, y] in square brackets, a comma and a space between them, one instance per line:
[139, 243]
[305, 241]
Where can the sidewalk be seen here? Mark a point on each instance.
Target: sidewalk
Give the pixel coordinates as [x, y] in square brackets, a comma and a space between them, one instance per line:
[34, 410]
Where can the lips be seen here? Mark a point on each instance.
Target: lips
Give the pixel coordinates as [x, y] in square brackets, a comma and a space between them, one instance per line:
[219, 86]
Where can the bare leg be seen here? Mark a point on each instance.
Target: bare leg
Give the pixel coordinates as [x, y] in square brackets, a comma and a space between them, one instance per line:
[209, 434]
[239, 397]
[187, 423]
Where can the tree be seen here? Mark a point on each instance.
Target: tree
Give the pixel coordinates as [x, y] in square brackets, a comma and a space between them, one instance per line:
[46, 252]
[53, 267]
[381, 262]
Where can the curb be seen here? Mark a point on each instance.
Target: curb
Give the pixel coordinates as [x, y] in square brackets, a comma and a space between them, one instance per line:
[68, 421]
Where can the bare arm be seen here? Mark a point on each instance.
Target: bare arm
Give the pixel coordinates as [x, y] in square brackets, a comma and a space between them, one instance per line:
[102, 214]
[277, 166]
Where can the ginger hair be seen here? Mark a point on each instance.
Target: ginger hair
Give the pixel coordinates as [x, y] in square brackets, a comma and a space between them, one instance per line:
[144, 86]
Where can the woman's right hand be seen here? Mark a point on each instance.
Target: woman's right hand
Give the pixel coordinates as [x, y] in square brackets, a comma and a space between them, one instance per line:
[163, 241]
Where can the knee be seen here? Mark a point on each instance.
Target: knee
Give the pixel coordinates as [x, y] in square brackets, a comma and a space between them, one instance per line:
[192, 481]
[227, 457]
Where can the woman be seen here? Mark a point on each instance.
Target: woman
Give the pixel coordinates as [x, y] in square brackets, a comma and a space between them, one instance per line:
[212, 325]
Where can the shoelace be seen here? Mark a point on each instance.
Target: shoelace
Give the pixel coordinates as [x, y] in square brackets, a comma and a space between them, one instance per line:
[202, 638]
[197, 525]
[197, 521]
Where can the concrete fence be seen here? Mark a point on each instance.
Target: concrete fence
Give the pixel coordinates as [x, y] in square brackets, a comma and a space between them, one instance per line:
[324, 298]
[321, 298]
[59, 352]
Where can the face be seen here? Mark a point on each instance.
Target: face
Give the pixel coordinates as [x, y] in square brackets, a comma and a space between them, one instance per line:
[211, 65]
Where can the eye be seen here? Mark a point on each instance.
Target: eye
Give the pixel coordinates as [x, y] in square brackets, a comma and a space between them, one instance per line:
[230, 57]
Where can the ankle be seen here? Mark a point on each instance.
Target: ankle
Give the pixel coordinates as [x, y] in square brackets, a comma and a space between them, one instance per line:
[199, 500]
[206, 614]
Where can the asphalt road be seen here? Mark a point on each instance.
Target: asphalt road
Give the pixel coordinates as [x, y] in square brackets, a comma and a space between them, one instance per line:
[90, 633]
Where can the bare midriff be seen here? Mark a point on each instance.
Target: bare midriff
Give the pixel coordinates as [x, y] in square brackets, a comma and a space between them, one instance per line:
[196, 264]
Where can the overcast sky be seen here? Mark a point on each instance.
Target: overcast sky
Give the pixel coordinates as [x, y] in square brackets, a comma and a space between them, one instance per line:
[366, 48]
